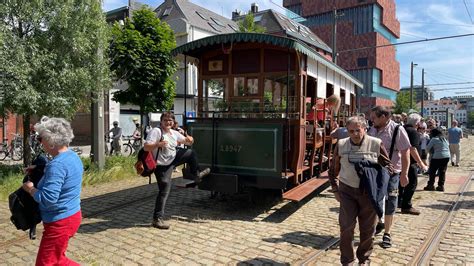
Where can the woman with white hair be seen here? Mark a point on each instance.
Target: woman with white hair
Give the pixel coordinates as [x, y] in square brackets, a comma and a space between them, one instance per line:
[58, 192]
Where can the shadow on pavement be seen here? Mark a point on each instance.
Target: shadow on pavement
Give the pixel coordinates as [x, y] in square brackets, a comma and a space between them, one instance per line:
[133, 207]
[445, 204]
[302, 239]
[261, 261]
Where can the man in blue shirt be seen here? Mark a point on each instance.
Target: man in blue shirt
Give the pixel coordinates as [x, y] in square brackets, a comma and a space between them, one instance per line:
[454, 138]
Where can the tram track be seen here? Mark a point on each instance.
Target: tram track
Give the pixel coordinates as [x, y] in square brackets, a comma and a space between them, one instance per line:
[430, 245]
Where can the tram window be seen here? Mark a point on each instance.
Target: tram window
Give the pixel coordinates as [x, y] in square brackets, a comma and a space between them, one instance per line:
[245, 86]
[275, 91]
[215, 94]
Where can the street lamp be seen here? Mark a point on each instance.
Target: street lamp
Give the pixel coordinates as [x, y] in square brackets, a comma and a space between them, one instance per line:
[411, 83]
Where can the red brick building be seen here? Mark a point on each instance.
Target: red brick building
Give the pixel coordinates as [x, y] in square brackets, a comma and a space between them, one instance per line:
[360, 24]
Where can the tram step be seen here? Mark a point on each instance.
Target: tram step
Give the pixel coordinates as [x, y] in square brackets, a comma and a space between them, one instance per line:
[183, 183]
[300, 192]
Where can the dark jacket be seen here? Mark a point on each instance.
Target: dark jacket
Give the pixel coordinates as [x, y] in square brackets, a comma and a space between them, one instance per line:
[374, 180]
[24, 209]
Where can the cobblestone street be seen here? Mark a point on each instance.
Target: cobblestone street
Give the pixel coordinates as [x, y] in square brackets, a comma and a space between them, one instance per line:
[116, 227]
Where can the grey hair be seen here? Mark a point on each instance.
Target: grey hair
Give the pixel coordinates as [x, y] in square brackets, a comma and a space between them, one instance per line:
[356, 120]
[56, 131]
[413, 119]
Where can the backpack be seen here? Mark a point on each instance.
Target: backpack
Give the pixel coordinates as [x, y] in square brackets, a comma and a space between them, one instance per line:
[24, 209]
[146, 164]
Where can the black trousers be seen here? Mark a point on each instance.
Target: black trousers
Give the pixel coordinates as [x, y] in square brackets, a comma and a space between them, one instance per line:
[405, 194]
[163, 178]
[440, 166]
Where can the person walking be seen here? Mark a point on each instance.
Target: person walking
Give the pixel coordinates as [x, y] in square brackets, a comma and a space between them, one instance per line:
[116, 145]
[396, 142]
[163, 142]
[405, 194]
[58, 192]
[440, 154]
[355, 202]
[454, 137]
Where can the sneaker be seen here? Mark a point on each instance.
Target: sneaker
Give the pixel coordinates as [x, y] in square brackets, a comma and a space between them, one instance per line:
[198, 178]
[411, 210]
[440, 188]
[386, 241]
[457, 165]
[379, 228]
[452, 163]
[429, 188]
[160, 224]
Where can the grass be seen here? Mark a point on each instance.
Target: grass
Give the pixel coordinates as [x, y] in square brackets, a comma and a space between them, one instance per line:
[116, 168]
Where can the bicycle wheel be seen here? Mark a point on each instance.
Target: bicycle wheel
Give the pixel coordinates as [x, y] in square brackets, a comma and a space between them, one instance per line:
[3, 155]
[127, 149]
[17, 153]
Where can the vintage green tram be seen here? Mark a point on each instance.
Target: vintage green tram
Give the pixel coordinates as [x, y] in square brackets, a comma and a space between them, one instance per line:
[254, 94]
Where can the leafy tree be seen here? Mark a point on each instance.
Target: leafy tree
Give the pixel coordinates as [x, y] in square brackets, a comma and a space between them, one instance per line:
[51, 60]
[470, 119]
[248, 25]
[140, 53]
[402, 103]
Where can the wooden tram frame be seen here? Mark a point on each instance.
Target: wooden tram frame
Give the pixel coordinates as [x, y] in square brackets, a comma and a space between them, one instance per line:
[304, 162]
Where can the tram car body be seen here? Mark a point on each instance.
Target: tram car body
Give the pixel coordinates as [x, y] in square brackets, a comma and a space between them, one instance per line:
[256, 93]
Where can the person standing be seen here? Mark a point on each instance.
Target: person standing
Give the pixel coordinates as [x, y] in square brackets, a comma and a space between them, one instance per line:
[439, 159]
[355, 202]
[424, 139]
[389, 132]
[405, 194]
[58, 192]
[454, 137]
[163, 142]
[116, 139]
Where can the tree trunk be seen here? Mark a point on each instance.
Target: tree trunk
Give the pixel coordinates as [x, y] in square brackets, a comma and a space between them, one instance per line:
[26, 140]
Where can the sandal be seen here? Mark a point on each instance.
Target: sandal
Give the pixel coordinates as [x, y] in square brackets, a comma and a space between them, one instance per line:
[386, 241]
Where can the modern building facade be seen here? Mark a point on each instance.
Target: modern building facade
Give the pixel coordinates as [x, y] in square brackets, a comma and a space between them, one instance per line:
[429, 95]
[360, 24]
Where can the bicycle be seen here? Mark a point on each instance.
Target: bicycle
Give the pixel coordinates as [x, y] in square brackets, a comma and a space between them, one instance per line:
[14, 150]
[131, 148]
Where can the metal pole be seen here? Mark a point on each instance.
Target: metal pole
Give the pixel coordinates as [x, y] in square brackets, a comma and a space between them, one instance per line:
[185, 89]
[411, 85]
[334, 38]
[422, 90]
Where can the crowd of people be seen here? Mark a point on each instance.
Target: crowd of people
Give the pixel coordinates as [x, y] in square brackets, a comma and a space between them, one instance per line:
[375, 171]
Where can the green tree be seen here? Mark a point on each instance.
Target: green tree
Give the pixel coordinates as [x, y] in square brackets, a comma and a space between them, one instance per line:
[140, 53]
[248, 25]
[50, 57]
[402, 103]
[470, 119]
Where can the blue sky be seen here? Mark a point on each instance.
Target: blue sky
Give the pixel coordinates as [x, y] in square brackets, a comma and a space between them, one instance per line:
[444, 61]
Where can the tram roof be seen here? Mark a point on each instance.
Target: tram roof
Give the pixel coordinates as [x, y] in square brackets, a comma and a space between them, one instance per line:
[195, 47]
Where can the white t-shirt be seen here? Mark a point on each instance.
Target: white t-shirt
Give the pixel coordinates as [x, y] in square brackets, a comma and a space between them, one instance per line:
[167, 153]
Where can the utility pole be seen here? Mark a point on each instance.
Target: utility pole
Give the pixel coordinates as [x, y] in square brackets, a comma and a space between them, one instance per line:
[334, 36]
[411, 84]
[422, 90]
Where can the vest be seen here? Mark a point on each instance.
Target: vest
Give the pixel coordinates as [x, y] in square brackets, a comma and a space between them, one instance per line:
[368, 150]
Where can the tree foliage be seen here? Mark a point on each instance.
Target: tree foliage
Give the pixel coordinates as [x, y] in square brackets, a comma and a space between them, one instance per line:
[248, 25]
[470, 119]
[140, 53]
[402, 103]
[50, 57]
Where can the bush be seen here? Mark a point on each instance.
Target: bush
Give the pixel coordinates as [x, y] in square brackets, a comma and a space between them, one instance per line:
[116, 168]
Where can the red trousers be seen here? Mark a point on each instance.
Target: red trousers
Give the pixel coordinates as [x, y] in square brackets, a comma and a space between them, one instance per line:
[56, 235]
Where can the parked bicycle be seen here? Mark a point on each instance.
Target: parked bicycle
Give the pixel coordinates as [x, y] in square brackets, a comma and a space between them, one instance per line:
[14, 150]
[132, 146]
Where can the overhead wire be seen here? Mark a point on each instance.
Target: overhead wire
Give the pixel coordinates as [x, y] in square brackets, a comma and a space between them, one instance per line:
[467, 10]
